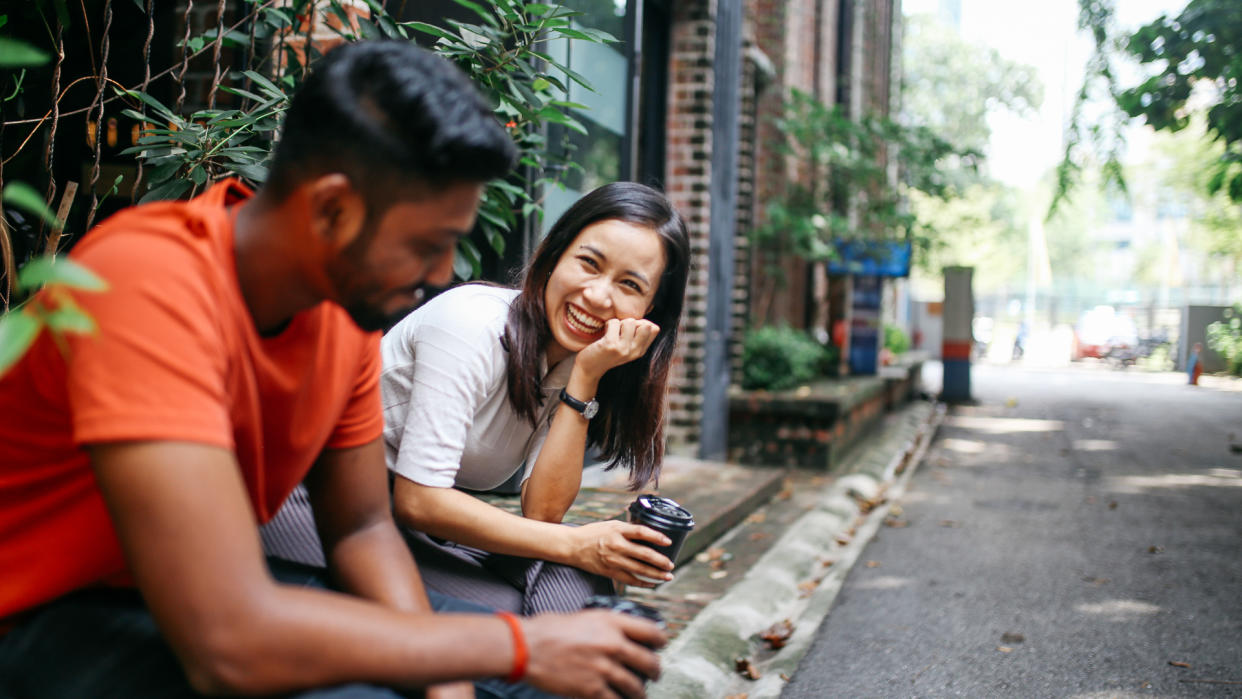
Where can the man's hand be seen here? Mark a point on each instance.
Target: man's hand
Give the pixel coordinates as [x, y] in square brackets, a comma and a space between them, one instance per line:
[593, 654]
[624, 340]
[608, 548]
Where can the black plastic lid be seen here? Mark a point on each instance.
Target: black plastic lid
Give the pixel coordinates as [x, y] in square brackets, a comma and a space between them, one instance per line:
[661, 512]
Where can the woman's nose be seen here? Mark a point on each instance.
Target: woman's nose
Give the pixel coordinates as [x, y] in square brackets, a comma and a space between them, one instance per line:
[597, 294]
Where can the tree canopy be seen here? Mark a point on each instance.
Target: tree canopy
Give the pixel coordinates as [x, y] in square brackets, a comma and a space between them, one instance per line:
[1193, 62]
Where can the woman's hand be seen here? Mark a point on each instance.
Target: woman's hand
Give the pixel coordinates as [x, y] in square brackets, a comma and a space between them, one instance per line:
[624, 340]
[610, 549]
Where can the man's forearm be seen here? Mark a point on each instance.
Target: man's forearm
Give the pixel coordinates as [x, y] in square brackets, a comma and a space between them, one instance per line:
[375, 563]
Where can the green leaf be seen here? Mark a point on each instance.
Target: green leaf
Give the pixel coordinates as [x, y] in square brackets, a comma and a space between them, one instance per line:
[23, 196]
[70, 320]
[18, 331]
[254, 173]
[169, 190]
[16, 54]
[431, 29]
[540, 85]
[478, 10]
[64, 272]
[266, 84]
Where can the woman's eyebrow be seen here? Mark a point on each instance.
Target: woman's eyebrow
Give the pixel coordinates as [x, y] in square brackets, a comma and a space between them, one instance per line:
[600, 253]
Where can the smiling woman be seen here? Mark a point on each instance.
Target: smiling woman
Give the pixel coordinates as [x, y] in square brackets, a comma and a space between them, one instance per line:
[483, 384]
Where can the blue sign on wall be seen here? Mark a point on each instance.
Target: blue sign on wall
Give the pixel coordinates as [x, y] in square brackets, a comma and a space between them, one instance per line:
[880, 258]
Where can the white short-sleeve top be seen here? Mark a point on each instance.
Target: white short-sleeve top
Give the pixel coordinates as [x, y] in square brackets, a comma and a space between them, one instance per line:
[447, 417]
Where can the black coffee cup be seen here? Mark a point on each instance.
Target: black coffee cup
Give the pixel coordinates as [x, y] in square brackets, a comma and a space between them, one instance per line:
[665, 516]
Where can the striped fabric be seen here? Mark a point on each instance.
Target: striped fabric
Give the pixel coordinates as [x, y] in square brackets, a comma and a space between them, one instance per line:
[291, 535]
[521, 585]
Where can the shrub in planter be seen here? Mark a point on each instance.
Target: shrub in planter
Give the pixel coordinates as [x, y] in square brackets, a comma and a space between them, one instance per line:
[776, 358]
[895, 339]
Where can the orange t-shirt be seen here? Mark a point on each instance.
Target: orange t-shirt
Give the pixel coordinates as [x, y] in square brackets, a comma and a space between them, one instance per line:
[176, 357]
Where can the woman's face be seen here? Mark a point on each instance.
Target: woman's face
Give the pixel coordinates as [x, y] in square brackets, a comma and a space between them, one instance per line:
[611, 270]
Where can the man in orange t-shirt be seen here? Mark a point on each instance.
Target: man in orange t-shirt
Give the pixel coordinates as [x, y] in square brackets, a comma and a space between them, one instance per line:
[236, 357]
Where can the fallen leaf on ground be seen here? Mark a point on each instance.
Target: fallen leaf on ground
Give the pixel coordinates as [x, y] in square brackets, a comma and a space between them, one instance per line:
[784, 677]
[743, 695]
[1178, 663]
[1011, 637]
[1145, 685]
[895, 523]
[843, 539]
[896, 511]
[756, 518]
[778, 634]
[1011, 402]
[807, 587]
[950, 523]
[827, 562]
[711, 554]
[758, 536]
[872, 564]
[1004, 649]
[1112, 505]
[1095, 581]
[718, 574]
[1155, 549]
[746, 669]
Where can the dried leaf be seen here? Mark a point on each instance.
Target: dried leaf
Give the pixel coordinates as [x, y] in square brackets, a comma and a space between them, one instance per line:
[895, 523]
[1112, 505]
[1004, 649]
[718, 574]
[843, 539]
[746, 669]
[759, 536]
[756, 518]
[807, 587]
[743, 695]
[949, 523]
[784, 677]
[828, 562]
[1011, 637]
[1155, 549]
[896, 511]
[872, 564]
[1178, 663]
[777, 635]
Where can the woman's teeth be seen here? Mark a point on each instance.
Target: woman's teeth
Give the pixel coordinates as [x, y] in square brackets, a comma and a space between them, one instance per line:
[581, 322]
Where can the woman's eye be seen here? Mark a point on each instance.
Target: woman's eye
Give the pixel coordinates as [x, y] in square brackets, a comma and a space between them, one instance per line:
[633, 285]
[589, 261]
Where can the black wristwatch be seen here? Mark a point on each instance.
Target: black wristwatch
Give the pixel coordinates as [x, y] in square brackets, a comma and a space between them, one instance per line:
[588, 409]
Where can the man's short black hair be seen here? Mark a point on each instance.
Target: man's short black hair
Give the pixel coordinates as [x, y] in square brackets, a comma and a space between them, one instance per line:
[388, 114]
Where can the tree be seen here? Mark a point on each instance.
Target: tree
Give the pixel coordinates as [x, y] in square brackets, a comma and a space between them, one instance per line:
[937, 62]
[1195, 61]
[982, 222]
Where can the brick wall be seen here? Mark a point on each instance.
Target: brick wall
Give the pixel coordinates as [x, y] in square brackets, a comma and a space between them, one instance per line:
[688, 173]
[789, 44]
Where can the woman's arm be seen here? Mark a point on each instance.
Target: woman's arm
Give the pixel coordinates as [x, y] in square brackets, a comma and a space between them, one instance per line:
[557, 474]
[604, 548]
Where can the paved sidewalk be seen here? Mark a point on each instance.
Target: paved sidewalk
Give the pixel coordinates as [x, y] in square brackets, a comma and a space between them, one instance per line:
[745, 610]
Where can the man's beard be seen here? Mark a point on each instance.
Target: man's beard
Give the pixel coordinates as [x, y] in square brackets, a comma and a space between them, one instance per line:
[370, 318]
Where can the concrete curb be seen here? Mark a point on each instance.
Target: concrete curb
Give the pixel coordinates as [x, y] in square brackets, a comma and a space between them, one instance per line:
[815, 553]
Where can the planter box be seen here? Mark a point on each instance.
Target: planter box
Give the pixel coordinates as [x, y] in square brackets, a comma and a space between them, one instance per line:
[815, 425]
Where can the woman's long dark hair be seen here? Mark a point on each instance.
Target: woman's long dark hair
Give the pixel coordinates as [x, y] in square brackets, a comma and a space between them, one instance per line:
[629, 429]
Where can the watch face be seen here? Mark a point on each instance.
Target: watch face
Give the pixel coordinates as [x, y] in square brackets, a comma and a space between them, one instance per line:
[590, 409]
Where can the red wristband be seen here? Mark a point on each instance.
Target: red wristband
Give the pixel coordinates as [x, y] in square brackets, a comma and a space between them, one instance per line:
[520, 652]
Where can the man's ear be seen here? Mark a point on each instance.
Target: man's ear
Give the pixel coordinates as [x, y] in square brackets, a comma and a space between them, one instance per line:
[337, 210]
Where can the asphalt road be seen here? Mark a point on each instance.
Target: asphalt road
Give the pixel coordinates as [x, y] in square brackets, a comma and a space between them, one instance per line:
[1076, 534]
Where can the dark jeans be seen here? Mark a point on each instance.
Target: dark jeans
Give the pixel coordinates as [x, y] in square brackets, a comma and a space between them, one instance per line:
[104, 643]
